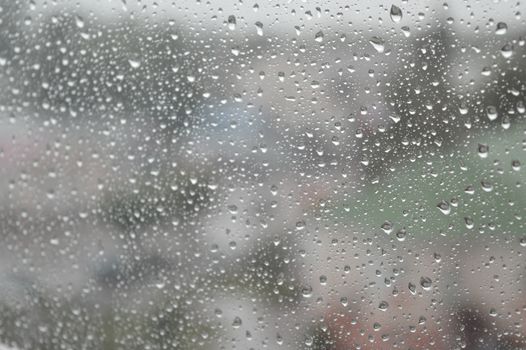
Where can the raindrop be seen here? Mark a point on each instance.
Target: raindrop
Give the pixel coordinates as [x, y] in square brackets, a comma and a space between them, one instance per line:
[306, 291]
[444, 207]
[377, 43]
[401, 235]
[425, 282]
[237, 322]
[232, 22]
[259, 28]
[502, 28]
[383, 305]
[344, 301]
[396, 14]
[318, 36]
[323, 280]
[406, 31]
[469, 222]
[134, 63]
[491, 112]
[79, 22]
[486, 186]
[387, 227]
[493, 312]
[483, 150]
[507, 50]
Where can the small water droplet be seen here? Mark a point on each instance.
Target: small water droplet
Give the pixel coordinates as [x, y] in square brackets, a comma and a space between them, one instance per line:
[232, 22]
[412, 288]
[483, 150]
[134, 63]
[79, 22]
[507, 50]
[237, 322]
[401, 235]
[323, 280]
[259, 28]
[383, 305]
[318, 36]
[493, 312]
[501, 29]
[426, 282]
[306, 291]
[387, 227]
[444, 207]
[491, 112]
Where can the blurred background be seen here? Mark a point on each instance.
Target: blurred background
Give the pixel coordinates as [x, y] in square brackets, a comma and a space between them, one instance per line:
[262, 175]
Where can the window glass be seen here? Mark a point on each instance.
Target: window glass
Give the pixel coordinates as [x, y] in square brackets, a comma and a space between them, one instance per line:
[244, 174]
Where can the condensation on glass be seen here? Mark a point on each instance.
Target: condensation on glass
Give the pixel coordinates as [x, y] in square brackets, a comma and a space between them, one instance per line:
[245, 174]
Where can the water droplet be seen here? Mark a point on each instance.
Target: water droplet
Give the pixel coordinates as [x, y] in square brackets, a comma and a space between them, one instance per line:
[306, 291]
[401, 235]
[426, 282]
[516, 165]
[507, 50]
[134, 63]
[377, 43]
[387, 227]
[412, 288]
[396, 14]
[469, 222]
[483, 150]
[383, 305]
[493, 312]
[491, 112]
[79, 22]
[406, 31]
[502, 28]
[318, 36]
[237, 322]
[486, 186]
[279, 339]
[300, 225]
[232, 22]
[444, 207]
[259, 28]
[323, 280]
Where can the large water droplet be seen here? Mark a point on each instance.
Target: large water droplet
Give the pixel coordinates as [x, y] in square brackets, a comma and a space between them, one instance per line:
[396, 14]
[378, 44]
